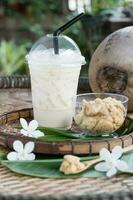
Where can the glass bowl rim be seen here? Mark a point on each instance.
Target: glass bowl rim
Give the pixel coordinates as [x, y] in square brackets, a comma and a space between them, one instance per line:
[108, 94]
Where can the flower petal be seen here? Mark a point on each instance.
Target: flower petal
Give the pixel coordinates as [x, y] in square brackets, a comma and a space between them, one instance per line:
[102, 167]
[23, 123]
[105, 154]
[111, 172]
[121, 165]
[12, 156]
[22, 156]
[31, 156]
[33, 125]
[29, 147]
[37, 134]
[30, 135]
[18, 146]
[24, 132]
[117, 152]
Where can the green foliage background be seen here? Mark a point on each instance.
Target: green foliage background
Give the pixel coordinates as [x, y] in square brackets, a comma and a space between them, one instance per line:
[39, 18]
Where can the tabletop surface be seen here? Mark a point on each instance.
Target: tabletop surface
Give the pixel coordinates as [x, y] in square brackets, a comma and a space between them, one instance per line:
[25, 187]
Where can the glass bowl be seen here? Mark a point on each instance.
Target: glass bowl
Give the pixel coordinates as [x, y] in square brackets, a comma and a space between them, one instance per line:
[102, 120]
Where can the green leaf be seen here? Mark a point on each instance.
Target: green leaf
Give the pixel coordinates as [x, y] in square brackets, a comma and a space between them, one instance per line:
[46, 168]
[128, 158]
[53, 138]
[130, 126]
[49, 168]
[58, 134]
[124, 132]
[3, 154]
[12, 57]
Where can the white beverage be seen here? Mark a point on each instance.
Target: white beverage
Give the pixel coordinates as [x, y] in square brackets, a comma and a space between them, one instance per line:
[54, 81]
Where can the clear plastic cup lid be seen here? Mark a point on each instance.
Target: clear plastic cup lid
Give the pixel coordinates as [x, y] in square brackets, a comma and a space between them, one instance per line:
[43, 52]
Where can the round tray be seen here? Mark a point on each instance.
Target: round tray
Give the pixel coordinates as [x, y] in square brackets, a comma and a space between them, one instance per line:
[83, 147]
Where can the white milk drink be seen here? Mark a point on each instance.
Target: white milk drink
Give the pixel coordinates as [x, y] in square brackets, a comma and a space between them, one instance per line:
[54, 80]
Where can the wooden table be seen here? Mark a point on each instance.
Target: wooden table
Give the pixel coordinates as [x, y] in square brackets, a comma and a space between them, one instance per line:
[16, 187]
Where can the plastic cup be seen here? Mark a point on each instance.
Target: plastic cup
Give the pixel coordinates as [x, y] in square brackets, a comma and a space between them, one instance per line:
[54, 80]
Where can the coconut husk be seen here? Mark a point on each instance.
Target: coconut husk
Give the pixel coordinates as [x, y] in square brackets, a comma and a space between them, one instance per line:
[111, 66]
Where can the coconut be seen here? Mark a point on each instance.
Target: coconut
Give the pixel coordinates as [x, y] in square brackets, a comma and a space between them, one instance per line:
[111, 66]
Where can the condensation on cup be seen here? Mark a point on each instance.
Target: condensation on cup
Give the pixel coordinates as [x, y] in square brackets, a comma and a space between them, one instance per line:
[54, 80]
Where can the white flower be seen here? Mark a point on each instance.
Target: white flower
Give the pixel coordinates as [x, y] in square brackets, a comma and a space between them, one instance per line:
[112, 161]
[30, 129]
[22, 152]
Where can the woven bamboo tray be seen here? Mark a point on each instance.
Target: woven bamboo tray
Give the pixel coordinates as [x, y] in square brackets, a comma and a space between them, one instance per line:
[77, 147]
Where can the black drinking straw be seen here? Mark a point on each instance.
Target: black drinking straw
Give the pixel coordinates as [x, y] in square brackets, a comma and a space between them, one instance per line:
[61, 29]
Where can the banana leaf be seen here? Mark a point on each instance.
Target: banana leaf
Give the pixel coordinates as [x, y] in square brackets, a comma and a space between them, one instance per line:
[46, 168]
[58, 134]
[49, 168]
